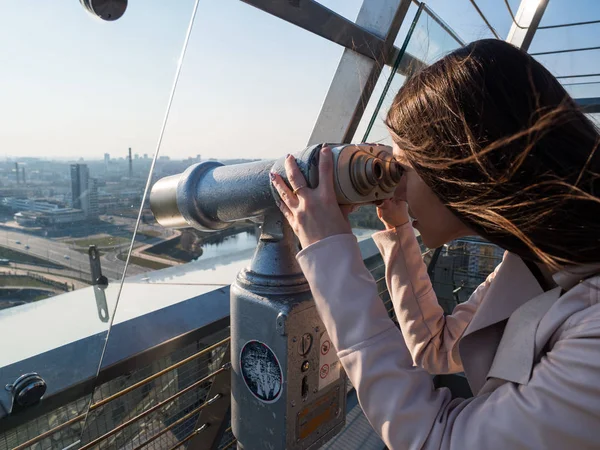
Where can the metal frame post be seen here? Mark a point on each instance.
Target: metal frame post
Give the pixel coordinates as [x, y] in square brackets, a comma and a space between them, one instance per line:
[526, 23]
[356, 75]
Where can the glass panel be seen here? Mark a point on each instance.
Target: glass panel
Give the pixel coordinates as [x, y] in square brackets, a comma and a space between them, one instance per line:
[558, 13]
[462, 17]
[570, 38]
[576, 63]
[428, 40]
[243, 97]
[583, 89]
[79, 93]
[460, 268]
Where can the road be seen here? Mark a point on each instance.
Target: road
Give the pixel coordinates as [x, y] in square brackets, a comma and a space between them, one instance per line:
[66, 255]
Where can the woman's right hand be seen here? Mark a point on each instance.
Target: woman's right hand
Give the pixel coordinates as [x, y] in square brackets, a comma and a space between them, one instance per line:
[393, 212]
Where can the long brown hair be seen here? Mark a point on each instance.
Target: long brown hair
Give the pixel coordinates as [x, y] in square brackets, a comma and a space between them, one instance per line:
[503, 145]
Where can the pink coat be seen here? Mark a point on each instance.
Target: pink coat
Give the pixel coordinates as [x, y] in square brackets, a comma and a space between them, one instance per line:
[536, 385]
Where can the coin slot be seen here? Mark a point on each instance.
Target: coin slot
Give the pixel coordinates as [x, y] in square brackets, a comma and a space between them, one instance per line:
[305, 387]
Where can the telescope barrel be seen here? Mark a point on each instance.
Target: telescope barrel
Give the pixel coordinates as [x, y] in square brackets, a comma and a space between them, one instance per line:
[211, 196]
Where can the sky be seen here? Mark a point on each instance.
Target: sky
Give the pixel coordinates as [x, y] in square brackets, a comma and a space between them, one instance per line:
[251, 86]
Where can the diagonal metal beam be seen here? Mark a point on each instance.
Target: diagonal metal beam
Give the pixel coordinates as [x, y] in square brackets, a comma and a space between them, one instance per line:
[316, 18]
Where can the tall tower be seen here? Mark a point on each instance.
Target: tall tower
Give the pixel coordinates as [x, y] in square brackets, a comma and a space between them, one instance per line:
[79, 186]
[130, 164]
[17, 171]
[93, 210]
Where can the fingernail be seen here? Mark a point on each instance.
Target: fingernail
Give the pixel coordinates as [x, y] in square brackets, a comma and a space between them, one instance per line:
[272, 176]
[324, 150]
[288, 156]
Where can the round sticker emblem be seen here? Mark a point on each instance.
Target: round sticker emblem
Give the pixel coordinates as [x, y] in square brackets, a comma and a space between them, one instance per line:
[261, 371]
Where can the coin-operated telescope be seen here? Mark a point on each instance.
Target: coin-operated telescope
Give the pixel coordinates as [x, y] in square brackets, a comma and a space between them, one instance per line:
[288, 387]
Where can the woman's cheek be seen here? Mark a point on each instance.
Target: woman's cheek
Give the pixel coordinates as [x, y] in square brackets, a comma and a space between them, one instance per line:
[413, 198]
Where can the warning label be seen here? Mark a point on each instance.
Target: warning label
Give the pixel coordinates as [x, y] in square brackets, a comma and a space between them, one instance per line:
[329, 365]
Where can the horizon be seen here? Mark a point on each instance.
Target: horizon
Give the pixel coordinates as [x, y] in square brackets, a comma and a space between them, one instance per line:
[78, 87]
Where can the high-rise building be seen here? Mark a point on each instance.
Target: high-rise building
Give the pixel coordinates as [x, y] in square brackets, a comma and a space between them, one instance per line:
[84, 190]
[93, 197]
[106, 161]
[79, 183]
[130, 164]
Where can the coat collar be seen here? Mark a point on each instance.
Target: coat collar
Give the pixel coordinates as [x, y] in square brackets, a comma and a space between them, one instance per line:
[513, 285]
[516, 353]
[570, 276]
[516, 295]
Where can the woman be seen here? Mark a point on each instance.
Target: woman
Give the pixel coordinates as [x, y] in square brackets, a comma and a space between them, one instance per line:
[492, 145]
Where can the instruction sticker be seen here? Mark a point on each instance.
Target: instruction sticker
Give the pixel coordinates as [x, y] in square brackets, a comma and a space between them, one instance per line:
[329, 364]
[261, 371]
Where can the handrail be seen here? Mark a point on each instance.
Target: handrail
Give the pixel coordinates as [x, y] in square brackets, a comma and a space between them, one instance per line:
[125, 424]
[190, 436]
[94, 406]
[178, 421]
[158, 374]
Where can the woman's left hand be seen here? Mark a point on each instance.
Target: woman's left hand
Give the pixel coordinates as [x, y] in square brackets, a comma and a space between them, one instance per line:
[313, 214]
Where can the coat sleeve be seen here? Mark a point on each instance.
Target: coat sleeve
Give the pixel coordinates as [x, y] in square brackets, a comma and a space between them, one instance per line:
[430, 336]
[558, 408]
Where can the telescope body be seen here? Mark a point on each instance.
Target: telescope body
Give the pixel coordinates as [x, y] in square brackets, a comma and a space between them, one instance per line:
[210, 196]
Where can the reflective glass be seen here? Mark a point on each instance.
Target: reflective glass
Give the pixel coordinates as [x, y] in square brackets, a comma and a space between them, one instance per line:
[581, 62]
[251, 88]
[428, 39]
[82, 104]
[242, 96]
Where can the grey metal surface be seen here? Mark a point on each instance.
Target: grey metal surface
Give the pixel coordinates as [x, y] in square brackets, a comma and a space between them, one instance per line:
[356, 435]
[209, 196]
[105, 9]
[356, 75]
[316, 18]
[589, 105]
[526, 23]
[272, 308]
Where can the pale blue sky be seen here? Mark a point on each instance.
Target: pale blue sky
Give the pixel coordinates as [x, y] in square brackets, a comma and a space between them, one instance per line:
[252, 85]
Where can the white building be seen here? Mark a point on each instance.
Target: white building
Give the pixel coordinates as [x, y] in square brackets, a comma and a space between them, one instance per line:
[35, 205]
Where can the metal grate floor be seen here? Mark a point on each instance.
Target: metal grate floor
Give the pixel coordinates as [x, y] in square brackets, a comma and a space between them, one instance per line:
[356, 435]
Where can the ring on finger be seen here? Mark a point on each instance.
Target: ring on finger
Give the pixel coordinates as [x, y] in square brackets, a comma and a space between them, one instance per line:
[295, 191]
